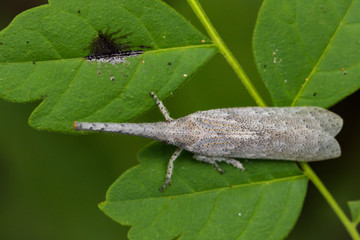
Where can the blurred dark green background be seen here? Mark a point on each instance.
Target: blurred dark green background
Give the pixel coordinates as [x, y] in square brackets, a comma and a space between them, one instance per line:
[50, 184]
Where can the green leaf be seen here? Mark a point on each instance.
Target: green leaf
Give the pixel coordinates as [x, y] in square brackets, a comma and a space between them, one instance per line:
[42, 58]
[262, 202]
[308, 51]
[354, 207]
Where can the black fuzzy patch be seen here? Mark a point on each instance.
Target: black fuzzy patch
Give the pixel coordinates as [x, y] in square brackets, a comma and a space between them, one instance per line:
[107, 45]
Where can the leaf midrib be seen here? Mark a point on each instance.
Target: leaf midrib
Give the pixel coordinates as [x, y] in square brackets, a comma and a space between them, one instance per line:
[329, 44]
[211, 190]
[149, 51]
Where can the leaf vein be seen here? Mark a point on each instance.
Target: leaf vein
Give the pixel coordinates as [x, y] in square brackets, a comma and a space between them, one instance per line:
[120, 93]
[25, 80]
[328, 45]
[258, 202]
[65, 90]
[220, 188]
[284, 210]
[141, 22]
[211, 214]
[173, 72]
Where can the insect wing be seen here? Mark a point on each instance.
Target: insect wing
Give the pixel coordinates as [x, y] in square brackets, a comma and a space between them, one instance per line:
[297, 133]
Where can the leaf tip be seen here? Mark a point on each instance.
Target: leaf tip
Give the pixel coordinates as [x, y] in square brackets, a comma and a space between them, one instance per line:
[101, 206]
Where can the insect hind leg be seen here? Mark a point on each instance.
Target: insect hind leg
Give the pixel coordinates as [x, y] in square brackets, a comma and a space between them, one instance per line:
[213, 161]
[209, 160]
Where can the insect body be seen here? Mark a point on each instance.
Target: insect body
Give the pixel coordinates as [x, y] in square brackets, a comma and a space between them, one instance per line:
[285, 133]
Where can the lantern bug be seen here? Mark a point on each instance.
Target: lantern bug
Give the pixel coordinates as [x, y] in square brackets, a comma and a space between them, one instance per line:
[221, 135]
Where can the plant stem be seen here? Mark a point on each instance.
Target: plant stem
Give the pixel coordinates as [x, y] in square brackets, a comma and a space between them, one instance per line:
[330, 199]
[198, 10]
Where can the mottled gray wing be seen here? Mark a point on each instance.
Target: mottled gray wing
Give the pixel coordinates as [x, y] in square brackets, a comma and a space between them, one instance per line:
[309, 117]
[291, 133]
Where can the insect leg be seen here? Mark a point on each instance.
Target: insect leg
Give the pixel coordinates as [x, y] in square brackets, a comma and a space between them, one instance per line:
[209, 160]
[233, 162]
[163, 109]
[170, 168]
